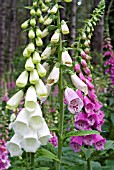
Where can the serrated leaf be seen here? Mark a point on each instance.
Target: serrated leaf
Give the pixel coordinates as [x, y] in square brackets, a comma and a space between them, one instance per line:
[47, 154]
[80, 133]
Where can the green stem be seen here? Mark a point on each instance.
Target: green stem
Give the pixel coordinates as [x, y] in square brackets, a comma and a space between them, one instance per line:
[89, 164]
[32, 161]
[61, 118]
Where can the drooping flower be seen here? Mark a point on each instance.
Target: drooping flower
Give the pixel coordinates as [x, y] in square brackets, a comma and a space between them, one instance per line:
[29, 65]
[53, 76]
[89, 106]
[41, 70]
[36, 57]
[55, 37]
[64, 27]
[76, 143]
[99, 142]
[66, 59]
[46, 53]
[22, 79]
[34, 77]
[88, 140]
[41, 89]
[54, 9]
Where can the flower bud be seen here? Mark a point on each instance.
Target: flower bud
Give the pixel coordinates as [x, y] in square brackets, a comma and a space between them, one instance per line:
[45, 32]
[88, 30]
[38, 32]
[22, 79]
[47, 1]
[26, 53]
[68, 1]
[14, 101]
[41, 70]
[54, 9]
[29, 66]
[84, 36]
[39, 41]
[36, 58]
[53, 76]
[25, 25]
[83, 63]
[64, 27]
[31, 34]
[35, 4]
[41, 19]
[34, 77]
[46, 53]
[66, 59]
[38, 12]
[41, 89]
[45, 9]
[55, 37]
[77, 68]
[48, 21]
[30, 48]
[33, 22]
[32, 12]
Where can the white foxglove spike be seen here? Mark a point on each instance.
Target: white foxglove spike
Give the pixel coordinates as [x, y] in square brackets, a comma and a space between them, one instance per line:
[30, 99]
[22, 79]
[55, 37]
[14, 101]
[46, 53]
[64, 27]
[30, 142]
[66, 59]
[79, 84]
[41, 89]
[34, 77]
[41, 70]
[36, 120]
[14, 146]
[44, 134]
[20, 125]
[36, 58]
[29, 66]
[53, 77]
[30, 48]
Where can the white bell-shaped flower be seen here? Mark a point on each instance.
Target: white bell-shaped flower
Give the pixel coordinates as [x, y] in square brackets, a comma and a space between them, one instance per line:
[30, 142]
[34, 77]
[66, 59]
[36, 120]
[64, 27]
[38, 32]
[29, 66]
[30, 99]
[41, 89]
[14, 146]
[20, 125]
[36, 58]
[79, 84]
[53, 76]
[46, 53]
[48, 92]
[45, 32]
[54, 9]
[31, 48]
[22, 79]
[41, 70]
[39, 41]
[44, 134]
[55, 37]
[14, 101]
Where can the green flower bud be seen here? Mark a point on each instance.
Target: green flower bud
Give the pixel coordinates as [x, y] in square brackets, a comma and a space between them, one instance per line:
[54, 9]
[22, 79]
[41, 19]
[26, 53]
[38, 32]
[45, 9]
[33, 22]
[47, 1]
[31, 34]
[48, 21]
[68, 1]
[35, 4]
[45, 32]
[39, 41]
[38, 12]
[36, 58]
[25, 25]
[29, 66]
[32, 12]
[31, 48]
[41, 70]
[34, 77]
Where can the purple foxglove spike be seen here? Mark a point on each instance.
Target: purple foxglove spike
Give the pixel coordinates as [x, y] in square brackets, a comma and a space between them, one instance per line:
[79, 93]
[92, 95]
[75, 104]
[76, 143]
[99, 142]
[88, 140]
[81, 76]
[87, 70]
[89, 106]
[98, 105]
[89, 84]
[77, 68]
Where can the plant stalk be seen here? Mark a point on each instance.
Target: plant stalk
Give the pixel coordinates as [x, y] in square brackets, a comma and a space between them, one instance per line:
[32, 161]
[61, 111]
[89, 166]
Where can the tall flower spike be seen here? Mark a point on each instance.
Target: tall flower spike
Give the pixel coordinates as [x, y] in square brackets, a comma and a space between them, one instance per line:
[14, 101]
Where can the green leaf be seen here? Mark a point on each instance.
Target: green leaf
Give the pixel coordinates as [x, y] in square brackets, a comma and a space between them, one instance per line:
[109, 144]
[96, 165]
[87, 152]
[47, 154]
[42, 168]
[80, 133]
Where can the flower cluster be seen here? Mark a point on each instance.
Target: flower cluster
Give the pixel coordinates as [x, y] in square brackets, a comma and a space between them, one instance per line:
[91, 117]
[4, 161]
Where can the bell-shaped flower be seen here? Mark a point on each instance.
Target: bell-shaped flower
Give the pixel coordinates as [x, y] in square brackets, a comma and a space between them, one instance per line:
[77, 68]
[26, 53]
[36, 58]
[30, 99]
[46, 53]
[75, 104]
[48, 92]
[54, 9]
[41, 70]
[30, 47]
[22, 79]
[64, 27]
[79, 84]
[66, 59]
[89, 106]
[48, 21]
[92, 95]
[34, 77]
[41, 89]
[89, 140]
[44, 134]
[76, 143]
[30, 142]
[38, 32]
[14, 101]
[14, 146]
[20, 125]
[36, 120]
[98, 105]
[89, 84]
[45, 32]
[32, 12]
[29, 66]
[31, 34]
[39, 41]
[99, 142]
[92, 118]
[53, 76]
[55, 36]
